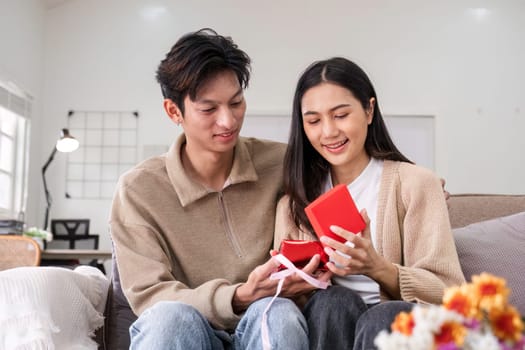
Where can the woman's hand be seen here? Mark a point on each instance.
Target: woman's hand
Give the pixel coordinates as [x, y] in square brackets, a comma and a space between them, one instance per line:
[360, 257]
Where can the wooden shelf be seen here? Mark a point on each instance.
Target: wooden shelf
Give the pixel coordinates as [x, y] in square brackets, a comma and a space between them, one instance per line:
[68, 254]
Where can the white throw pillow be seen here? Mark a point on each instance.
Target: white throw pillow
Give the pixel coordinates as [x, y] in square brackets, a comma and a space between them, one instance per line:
[51, 307]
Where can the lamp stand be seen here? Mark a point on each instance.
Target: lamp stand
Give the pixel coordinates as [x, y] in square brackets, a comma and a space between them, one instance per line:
[46, 191]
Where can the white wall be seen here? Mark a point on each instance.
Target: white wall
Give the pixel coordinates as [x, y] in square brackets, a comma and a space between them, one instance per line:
[445, 59]
[21, 63]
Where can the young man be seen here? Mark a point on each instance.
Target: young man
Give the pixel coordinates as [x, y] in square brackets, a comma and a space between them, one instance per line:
[192, 229]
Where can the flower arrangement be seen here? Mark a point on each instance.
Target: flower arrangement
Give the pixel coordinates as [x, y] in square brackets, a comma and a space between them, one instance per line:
[476, 315]
[35, 232]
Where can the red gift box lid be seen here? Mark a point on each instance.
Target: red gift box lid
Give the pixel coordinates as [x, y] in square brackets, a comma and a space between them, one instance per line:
[335, 207]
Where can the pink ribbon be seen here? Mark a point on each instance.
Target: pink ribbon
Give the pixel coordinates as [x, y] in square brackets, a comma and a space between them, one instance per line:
[281, 276]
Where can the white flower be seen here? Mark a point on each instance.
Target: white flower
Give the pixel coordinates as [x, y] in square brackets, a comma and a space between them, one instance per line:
[398, 341]
[428, 321]
[421, 341]
[431, 318]
[393, 341]
[481, 341]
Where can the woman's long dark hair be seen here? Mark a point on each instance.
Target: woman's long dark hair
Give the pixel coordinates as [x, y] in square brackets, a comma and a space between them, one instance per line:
[305, 170]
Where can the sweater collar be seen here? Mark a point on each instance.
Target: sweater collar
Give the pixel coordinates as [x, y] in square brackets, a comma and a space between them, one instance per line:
[188, 190]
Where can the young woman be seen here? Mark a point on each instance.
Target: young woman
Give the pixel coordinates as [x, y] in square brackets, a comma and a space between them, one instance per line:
[406, 254]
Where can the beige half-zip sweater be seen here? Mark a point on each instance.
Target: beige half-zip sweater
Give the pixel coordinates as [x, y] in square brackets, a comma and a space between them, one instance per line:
[174, 239]
[412, 232]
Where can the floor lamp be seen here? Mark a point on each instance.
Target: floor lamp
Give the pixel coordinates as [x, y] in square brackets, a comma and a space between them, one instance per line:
[66, 143]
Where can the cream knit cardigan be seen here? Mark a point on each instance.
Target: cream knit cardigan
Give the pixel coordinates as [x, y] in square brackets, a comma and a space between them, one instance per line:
[413, 232]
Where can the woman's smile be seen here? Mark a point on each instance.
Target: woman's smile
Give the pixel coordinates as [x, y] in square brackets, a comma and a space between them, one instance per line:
[336, 147]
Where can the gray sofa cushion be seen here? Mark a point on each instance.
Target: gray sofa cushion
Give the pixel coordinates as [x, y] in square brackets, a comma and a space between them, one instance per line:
[119, 314]
[496, 246]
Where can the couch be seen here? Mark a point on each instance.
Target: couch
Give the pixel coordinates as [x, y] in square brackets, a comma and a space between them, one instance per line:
[489, 237]
[489, 231]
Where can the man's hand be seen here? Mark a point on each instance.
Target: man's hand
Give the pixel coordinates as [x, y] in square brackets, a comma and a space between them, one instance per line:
[259, 284]
[295, 286]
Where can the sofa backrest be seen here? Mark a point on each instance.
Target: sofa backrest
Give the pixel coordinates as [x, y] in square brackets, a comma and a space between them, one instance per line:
[465, 209]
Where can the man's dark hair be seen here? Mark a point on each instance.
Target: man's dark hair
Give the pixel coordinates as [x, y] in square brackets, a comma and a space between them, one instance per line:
[195, 58]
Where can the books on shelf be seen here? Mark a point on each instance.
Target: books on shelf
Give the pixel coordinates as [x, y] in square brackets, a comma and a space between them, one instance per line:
[9, 227]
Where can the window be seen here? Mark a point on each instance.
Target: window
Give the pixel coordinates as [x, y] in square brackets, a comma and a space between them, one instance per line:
[108, 147]
[14, 141]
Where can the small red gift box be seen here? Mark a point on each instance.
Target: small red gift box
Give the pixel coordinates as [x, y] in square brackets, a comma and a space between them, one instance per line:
[299, 252]
[335, 207]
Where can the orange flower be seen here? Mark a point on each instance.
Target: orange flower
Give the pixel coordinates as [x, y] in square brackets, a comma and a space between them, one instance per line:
[506, 324]
[459, 299]
[491, 291]
[403, 323]
[451, 332]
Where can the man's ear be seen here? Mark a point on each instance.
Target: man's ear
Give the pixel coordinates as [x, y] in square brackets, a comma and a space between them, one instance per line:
[173, 111]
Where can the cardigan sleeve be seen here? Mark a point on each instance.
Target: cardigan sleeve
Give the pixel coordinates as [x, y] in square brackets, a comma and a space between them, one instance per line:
[429, 258]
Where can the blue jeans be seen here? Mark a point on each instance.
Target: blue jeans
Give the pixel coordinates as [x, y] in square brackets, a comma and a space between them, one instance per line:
[173, 325]
[335, 318]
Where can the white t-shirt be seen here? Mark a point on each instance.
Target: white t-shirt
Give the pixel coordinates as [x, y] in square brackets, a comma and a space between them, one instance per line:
[364, 190]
